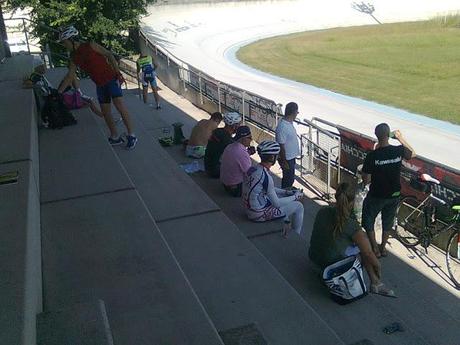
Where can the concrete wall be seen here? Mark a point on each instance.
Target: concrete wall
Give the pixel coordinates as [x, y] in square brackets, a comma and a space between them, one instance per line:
[20, 239]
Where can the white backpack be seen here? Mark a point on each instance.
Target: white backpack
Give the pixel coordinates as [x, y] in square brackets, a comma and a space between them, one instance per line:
[345, 280]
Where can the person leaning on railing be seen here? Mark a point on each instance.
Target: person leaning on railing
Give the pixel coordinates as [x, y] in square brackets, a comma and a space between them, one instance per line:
[103, 69]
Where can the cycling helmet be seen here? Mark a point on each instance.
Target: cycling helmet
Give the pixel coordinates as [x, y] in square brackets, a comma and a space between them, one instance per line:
[232, 118]
[67, 33]
[268, 147]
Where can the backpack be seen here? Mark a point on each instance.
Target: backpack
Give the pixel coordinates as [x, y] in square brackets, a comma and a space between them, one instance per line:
[149, 73]
[345, 281]
[54, 112]
[73, 100]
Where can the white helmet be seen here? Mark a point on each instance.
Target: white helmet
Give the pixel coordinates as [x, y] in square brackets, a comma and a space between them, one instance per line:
[268, 147]
[232, 118]
[67, 32]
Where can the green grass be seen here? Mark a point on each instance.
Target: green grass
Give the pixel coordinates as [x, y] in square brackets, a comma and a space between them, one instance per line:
[413, 66]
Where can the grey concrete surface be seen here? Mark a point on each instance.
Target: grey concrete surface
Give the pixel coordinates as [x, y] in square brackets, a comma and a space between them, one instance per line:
[77, 161]
[427, 305]
[238, 286]
[20, 255]
[84, 323]
[269, 281]
[108, 247]
[163, 185]
[16, 68]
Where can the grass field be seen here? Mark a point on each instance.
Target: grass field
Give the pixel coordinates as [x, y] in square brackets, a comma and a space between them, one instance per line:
[413, 66]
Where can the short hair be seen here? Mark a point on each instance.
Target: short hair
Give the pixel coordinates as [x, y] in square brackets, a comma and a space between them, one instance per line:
[267, 158]
[382, 131]
[216, 116]
[291, 109]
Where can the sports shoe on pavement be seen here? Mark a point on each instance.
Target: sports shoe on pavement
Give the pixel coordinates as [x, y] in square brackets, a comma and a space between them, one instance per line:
[381, 289]
[158, 107]
[132, 141]
[116, 141]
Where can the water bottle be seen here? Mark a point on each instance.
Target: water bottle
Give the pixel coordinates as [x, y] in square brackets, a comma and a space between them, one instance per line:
[359, 199]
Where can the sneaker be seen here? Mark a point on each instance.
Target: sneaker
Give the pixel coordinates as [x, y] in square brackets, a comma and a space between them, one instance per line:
[381, 289]
[158, 107]
[132, 141]
[116, 141]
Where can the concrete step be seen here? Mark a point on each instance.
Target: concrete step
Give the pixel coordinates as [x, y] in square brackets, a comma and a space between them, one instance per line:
[81, 324]
[237, 285]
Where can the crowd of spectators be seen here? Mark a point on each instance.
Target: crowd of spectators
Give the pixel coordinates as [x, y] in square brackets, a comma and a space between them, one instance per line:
[337, 233]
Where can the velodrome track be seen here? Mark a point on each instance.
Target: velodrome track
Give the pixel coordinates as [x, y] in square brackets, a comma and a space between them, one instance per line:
[207, 37]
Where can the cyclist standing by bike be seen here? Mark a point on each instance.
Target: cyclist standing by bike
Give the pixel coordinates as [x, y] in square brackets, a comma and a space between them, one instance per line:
[102, 67]
[383, 168]
[146, 70]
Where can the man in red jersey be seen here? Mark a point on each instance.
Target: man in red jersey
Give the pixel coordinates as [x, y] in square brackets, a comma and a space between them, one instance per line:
[103, 70]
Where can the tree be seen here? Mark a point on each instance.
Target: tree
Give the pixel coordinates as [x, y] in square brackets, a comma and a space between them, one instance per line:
[108, 22]
[365, 8]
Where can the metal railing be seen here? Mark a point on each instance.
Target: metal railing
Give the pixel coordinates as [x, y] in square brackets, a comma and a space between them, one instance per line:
[319, 163]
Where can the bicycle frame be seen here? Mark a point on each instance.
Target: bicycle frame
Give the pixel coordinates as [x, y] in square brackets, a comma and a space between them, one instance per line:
[429, 225]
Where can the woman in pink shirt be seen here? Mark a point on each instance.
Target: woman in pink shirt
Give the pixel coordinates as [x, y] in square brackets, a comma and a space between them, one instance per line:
[236, 161]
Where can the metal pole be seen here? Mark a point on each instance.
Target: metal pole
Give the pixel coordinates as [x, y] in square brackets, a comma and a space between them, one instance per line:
[339, 168]
[25, 34]
[183, 78]
[301, 155]
[199, 83]
[328, 172]
[244, 112]
[3, 35]
[218, 95]
[48, 53]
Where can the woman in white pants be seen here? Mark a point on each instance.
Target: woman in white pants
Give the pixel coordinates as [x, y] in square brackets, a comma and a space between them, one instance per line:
[263, 201]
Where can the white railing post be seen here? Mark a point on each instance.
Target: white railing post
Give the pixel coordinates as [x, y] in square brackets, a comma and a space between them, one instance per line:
[25, 34]
[201, 91]
[328, 189]
[243, 111]
[218, 96]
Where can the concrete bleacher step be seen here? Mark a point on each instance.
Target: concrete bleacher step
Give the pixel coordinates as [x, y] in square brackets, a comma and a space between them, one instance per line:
[82, 324]
[236, 284]
[99, 241]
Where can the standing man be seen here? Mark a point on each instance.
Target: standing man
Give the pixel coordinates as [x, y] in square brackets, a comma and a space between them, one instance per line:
[384, 167]
[103, 69]
[286, 136]
[219, 140]
[146, 68]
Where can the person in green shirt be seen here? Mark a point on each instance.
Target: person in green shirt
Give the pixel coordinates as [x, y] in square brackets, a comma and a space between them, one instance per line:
[146, 70]
[337, 235]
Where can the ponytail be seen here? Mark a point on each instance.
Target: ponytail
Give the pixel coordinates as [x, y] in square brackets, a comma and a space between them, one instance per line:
[345, 197]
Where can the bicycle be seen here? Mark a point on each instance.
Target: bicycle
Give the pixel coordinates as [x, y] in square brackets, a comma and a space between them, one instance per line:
[420, 222]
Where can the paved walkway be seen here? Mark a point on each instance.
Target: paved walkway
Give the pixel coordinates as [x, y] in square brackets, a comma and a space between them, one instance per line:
[245, 273]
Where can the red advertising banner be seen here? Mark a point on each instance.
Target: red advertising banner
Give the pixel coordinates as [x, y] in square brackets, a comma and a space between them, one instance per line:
[355, 147]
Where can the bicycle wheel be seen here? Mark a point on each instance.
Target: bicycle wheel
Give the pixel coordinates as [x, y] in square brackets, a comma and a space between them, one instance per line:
[453, 258]
[409, 222]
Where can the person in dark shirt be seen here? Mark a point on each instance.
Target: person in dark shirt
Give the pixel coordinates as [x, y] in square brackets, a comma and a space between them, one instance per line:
[337, 235]
[383, 168]
[220, 139]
